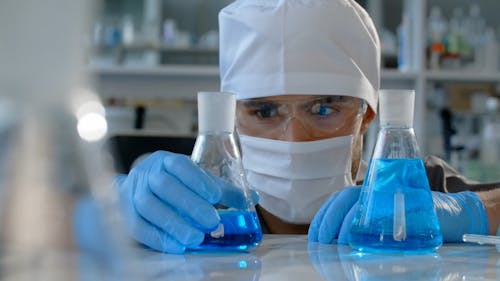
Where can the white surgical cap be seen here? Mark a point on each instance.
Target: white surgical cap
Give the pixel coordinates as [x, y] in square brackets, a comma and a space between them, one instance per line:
[317, 47]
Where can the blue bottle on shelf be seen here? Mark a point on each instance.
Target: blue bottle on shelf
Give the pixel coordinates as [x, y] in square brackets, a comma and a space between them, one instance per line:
[395, 208]
[217, 152]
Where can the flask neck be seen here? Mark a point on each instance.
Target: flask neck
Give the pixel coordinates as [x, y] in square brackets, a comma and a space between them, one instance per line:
[215, 146]
[396, 143]
[215, 133]
[396, 127]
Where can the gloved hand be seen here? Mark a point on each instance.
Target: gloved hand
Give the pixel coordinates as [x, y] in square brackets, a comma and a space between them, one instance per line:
[460, 213]
[167, 201]
[333, 220]
[457, 213]
[89, 233]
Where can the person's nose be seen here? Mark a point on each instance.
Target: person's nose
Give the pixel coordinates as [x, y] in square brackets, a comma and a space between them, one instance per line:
[295, 130]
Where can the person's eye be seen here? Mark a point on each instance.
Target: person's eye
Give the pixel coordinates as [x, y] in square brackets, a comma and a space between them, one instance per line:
[266, 111]
[322, 109]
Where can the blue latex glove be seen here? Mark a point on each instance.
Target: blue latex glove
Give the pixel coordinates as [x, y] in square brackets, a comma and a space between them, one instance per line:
[460, 213]
[93, 238]
[457, 213]
[90, 234]
[168, 201]
[335, 217]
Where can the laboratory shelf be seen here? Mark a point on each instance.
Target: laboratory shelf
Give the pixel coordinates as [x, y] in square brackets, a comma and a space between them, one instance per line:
[207, 70]
[462, 76]
[166, 70]
[183, 71]
[157, 47]
[394, 74]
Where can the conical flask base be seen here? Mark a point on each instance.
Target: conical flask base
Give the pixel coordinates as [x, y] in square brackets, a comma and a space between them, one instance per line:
[396, 212]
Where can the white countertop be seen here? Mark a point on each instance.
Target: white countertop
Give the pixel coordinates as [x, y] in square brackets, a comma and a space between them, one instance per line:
[279, 257]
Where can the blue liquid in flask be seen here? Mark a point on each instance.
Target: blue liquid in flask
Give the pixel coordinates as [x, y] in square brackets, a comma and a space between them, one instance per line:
[396, 210]
[241, 231]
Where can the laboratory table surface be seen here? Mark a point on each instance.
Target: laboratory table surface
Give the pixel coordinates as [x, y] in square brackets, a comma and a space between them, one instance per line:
[279, 257]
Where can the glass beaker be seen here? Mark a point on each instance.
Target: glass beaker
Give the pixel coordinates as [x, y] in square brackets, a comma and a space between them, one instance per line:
[217, 152]
[57, 200]
[395, 208]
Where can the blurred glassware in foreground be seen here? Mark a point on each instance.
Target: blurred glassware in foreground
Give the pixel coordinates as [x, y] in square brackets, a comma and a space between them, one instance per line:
[57, 198]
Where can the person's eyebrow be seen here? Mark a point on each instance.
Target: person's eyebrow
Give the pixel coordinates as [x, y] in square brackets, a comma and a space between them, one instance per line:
[333, 99]
[327, 99]
[256, 103]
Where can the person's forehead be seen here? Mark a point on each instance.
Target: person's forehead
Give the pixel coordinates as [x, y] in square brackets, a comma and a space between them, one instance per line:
[293, 98]
[290, 97]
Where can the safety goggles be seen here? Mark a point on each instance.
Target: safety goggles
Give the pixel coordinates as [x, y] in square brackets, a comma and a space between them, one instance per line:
[320, 116]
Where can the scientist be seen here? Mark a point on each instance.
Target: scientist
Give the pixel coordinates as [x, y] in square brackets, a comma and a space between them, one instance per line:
[306, 74]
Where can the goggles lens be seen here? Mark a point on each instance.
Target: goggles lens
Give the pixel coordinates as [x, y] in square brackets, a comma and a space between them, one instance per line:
[321, 116]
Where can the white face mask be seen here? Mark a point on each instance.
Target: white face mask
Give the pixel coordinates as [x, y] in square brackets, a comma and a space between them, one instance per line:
[295, 178]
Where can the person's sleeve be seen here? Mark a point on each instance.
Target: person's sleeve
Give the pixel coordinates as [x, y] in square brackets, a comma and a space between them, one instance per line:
[444, 178]
[263, 224]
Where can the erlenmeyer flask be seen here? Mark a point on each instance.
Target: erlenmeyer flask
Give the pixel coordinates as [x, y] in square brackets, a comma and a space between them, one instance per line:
[396, 211]
[57, 198]
[216, 151]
